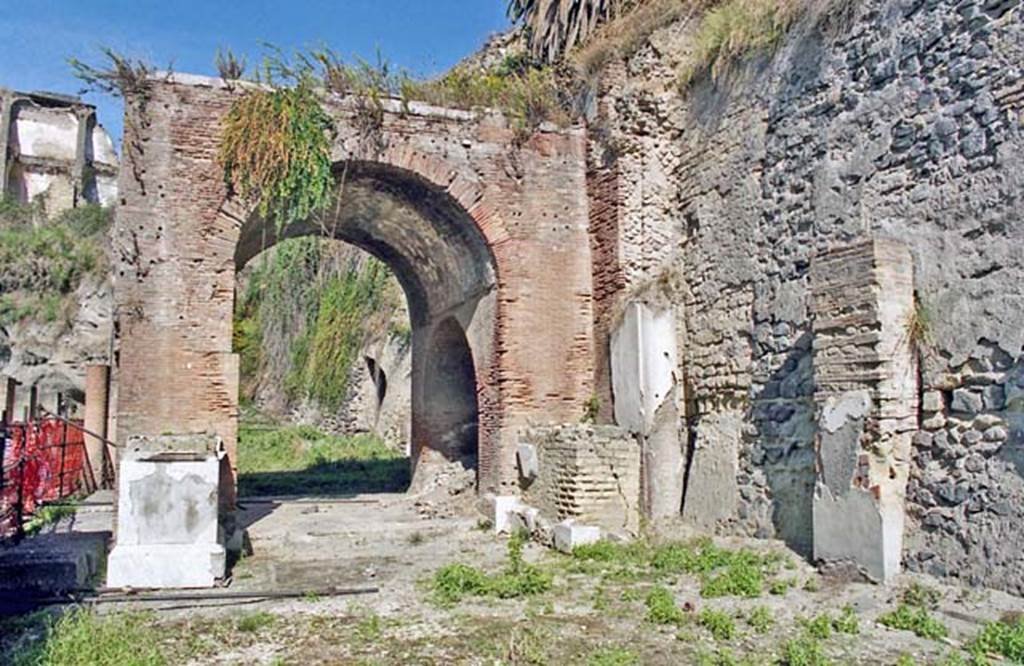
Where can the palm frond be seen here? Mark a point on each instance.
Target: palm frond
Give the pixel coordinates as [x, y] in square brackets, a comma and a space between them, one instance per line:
[553, 27]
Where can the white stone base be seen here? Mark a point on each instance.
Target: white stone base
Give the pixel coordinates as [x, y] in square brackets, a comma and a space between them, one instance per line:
[165, 566]
[568, 535]
[503, 509]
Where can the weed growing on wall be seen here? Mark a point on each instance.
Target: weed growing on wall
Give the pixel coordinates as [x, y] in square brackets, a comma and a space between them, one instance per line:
[275, 151]
[734, 29]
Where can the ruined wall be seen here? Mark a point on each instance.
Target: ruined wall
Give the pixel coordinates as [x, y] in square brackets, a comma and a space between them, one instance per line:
[180, 238]
[883, 118]
[54, 153]
[52, 150]
[587, 473]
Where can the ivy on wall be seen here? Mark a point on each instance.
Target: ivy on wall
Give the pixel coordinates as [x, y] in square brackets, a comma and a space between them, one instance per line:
[276, 152]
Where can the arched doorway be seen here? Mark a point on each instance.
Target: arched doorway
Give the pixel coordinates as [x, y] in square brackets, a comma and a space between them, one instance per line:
[447, 272]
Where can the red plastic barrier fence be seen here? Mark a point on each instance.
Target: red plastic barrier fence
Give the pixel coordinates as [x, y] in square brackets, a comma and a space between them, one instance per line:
[43, 461]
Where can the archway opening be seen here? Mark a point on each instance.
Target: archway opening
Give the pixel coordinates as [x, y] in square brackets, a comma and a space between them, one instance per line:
[446, 273]
[318, 326]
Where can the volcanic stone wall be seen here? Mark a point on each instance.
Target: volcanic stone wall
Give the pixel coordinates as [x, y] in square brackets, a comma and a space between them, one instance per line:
[889, 119]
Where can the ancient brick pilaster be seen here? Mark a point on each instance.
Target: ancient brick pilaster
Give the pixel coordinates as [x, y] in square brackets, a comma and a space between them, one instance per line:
[866, 399]
[587, 473]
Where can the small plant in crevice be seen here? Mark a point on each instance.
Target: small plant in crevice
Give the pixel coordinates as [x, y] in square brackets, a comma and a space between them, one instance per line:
[920, 327]
[230, 67]
[123, 76]
[130, 79]
[591, 408]
[49, 515]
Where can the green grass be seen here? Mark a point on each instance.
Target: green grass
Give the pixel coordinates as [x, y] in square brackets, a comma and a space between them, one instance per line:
[253, 622]
[291, 460]
[804, 650]
[761, 619]
[735, 29]
[51, 514]
[662, 608]
[723, 572]
[613, 657]
[454, 582]
[915, 619]
[819, 627]
[847, 622]
[303, 316]
[1005, 638]
[721, 625]
[44, 260]
[83, 638]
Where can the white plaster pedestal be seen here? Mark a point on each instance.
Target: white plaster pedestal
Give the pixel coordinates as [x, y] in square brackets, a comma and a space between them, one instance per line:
[167, 521]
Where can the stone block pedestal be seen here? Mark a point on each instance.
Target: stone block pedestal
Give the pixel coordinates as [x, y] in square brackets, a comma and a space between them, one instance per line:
[168, 533]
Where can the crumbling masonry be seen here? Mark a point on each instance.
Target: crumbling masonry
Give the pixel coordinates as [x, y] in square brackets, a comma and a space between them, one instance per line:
[792, 299]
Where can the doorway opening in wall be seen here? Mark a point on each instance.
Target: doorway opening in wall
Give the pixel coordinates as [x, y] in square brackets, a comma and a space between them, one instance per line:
[324, 340]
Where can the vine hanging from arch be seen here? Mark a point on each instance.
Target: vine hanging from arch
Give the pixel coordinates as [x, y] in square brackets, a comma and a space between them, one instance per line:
[276, 152]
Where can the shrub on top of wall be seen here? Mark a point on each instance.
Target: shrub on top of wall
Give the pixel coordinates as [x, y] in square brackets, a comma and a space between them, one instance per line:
[734, 29]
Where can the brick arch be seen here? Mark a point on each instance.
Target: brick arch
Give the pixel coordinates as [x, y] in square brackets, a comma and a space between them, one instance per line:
[399, 233]
[175, 237]
[465, 190]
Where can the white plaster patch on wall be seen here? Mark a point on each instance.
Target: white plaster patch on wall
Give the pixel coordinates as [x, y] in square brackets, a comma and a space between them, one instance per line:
[45, 133]
[837, 411]
[644, 360]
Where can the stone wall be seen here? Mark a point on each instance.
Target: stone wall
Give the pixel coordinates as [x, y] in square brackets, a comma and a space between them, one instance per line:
[52, 150]
[876, 119]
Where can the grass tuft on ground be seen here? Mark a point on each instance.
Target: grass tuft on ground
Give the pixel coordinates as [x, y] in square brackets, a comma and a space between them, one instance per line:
[723, 572]
[83, 638]
[454, 582]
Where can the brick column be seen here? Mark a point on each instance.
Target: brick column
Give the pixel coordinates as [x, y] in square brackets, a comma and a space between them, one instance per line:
[866, 401]
[97, 382]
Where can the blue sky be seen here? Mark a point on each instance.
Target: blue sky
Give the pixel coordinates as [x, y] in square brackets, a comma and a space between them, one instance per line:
[38, 36]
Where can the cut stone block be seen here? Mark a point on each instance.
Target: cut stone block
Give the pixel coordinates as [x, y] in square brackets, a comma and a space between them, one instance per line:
[529, 465]
[168, 532]
[503, 509]
[643, 358]
[166, 566]
[568, 535]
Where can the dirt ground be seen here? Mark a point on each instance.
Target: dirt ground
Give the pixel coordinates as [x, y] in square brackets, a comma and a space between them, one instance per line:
[594, 614]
